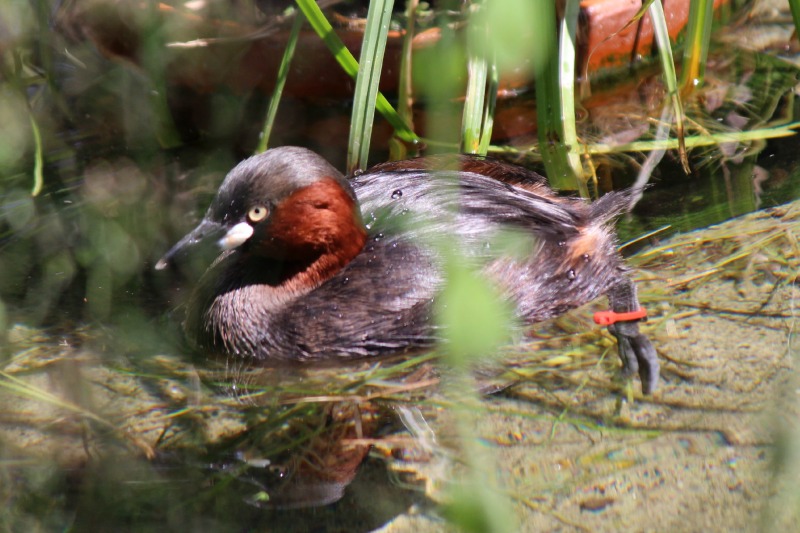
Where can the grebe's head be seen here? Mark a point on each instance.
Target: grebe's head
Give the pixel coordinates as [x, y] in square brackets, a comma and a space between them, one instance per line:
[286, 204]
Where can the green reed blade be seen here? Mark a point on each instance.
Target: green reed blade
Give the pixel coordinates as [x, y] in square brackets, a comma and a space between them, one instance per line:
[316, 18]
[794, 5]
[548, 102]
[397, 149]
[38, 178]
[784, 130]
[280, 82]
[668, 68]
[489, 108]
[472, 118]
[324, 30]
[27, 390]
[478, 117]
[698, 37]
[489, 45]
[693, 141]
[566, 82]
[367, 81]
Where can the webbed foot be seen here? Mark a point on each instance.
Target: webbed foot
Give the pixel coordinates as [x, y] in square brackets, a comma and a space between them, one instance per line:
[637, 353]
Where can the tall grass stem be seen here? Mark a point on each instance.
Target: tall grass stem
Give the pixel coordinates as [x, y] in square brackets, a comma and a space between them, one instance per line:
[405, 90]
[659, 20]
[367, 81]
[316, 18]
[566, 82]
[280, 82]
[548, 102]
[698, 37]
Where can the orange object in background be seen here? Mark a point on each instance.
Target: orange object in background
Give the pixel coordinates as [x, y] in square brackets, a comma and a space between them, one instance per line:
[599, 44]
[231, 49]
[244, 56]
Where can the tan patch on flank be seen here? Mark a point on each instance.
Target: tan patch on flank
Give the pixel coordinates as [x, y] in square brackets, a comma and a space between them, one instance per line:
[586, 243]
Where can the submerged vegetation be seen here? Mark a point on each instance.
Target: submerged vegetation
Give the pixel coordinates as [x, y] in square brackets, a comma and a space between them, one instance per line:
[119, 118]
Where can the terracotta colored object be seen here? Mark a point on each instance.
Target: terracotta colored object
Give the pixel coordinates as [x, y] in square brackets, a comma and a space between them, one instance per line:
[245, 57]
[202, 54]
[601, 46]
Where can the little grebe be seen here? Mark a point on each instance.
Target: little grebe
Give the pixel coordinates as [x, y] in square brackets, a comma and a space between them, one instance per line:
[302, 278]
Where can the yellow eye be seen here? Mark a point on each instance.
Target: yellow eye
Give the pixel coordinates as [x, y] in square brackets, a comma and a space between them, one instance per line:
[257, 214]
